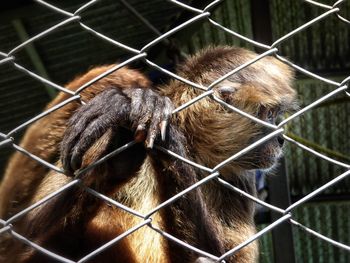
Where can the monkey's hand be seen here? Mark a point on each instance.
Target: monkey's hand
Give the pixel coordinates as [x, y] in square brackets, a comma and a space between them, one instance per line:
[141, 112]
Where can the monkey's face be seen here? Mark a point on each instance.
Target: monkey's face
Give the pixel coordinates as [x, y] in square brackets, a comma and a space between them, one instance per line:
[261, 103]
[216, 132]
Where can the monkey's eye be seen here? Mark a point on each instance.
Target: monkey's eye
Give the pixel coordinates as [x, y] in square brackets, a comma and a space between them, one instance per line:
[268, 114]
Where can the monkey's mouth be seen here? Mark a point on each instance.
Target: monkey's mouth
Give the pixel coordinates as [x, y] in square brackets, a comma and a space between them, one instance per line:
[269, 155]
[267, 162]
[265, 156]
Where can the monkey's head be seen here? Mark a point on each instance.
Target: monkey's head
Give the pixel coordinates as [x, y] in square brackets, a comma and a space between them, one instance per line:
[215, 132]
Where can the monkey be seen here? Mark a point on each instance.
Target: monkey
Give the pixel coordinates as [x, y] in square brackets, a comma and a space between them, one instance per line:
[54, 135]
[124, 107]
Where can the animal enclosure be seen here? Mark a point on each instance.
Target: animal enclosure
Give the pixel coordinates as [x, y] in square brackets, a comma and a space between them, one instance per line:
[44, 44]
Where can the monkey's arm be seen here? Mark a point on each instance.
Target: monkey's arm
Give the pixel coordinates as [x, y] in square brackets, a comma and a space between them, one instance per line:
[23, 174]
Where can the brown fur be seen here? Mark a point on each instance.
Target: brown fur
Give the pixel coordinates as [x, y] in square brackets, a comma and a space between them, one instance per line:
[213, 134]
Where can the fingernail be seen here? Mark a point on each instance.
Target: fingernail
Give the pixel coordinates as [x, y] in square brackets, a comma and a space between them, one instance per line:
[140, 133]
[140, 127]
[150, 142]
[163, 126]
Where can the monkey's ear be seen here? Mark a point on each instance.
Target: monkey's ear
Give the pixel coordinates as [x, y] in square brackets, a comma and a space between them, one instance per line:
[226, 90]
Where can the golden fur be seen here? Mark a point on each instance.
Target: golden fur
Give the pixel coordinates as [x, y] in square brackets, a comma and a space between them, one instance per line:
[213, 134]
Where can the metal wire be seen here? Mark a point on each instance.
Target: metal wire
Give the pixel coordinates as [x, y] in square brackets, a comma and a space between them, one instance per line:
[212, 173]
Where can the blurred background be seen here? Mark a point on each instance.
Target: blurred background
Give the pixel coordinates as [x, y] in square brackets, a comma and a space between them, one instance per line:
[323, 48]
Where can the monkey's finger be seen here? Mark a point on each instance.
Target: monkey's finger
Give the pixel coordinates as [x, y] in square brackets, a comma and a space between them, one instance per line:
[149, 111]
[153, 131]
[149, 102]
[106, 110]
[155, 122]
[80, 120]
[89, 136]
[141, 110]
[141, 117]
[152, 134]
[137, 103]
[161, 114]
[113, 117]
[70, 139]
[72, 134]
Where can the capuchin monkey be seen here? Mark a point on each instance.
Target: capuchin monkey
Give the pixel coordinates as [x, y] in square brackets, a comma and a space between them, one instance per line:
[124, 107]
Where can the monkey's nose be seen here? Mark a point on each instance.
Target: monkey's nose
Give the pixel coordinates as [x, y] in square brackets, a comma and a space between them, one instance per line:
[280, 140]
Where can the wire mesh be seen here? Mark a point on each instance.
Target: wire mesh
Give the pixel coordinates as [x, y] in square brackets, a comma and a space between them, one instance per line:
[286, 215]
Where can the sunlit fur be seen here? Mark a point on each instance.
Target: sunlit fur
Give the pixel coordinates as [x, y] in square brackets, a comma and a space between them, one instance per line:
[213, 134]
[217, 133]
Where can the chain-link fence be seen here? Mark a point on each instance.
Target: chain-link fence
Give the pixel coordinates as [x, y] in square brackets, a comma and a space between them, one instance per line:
[199, 15]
